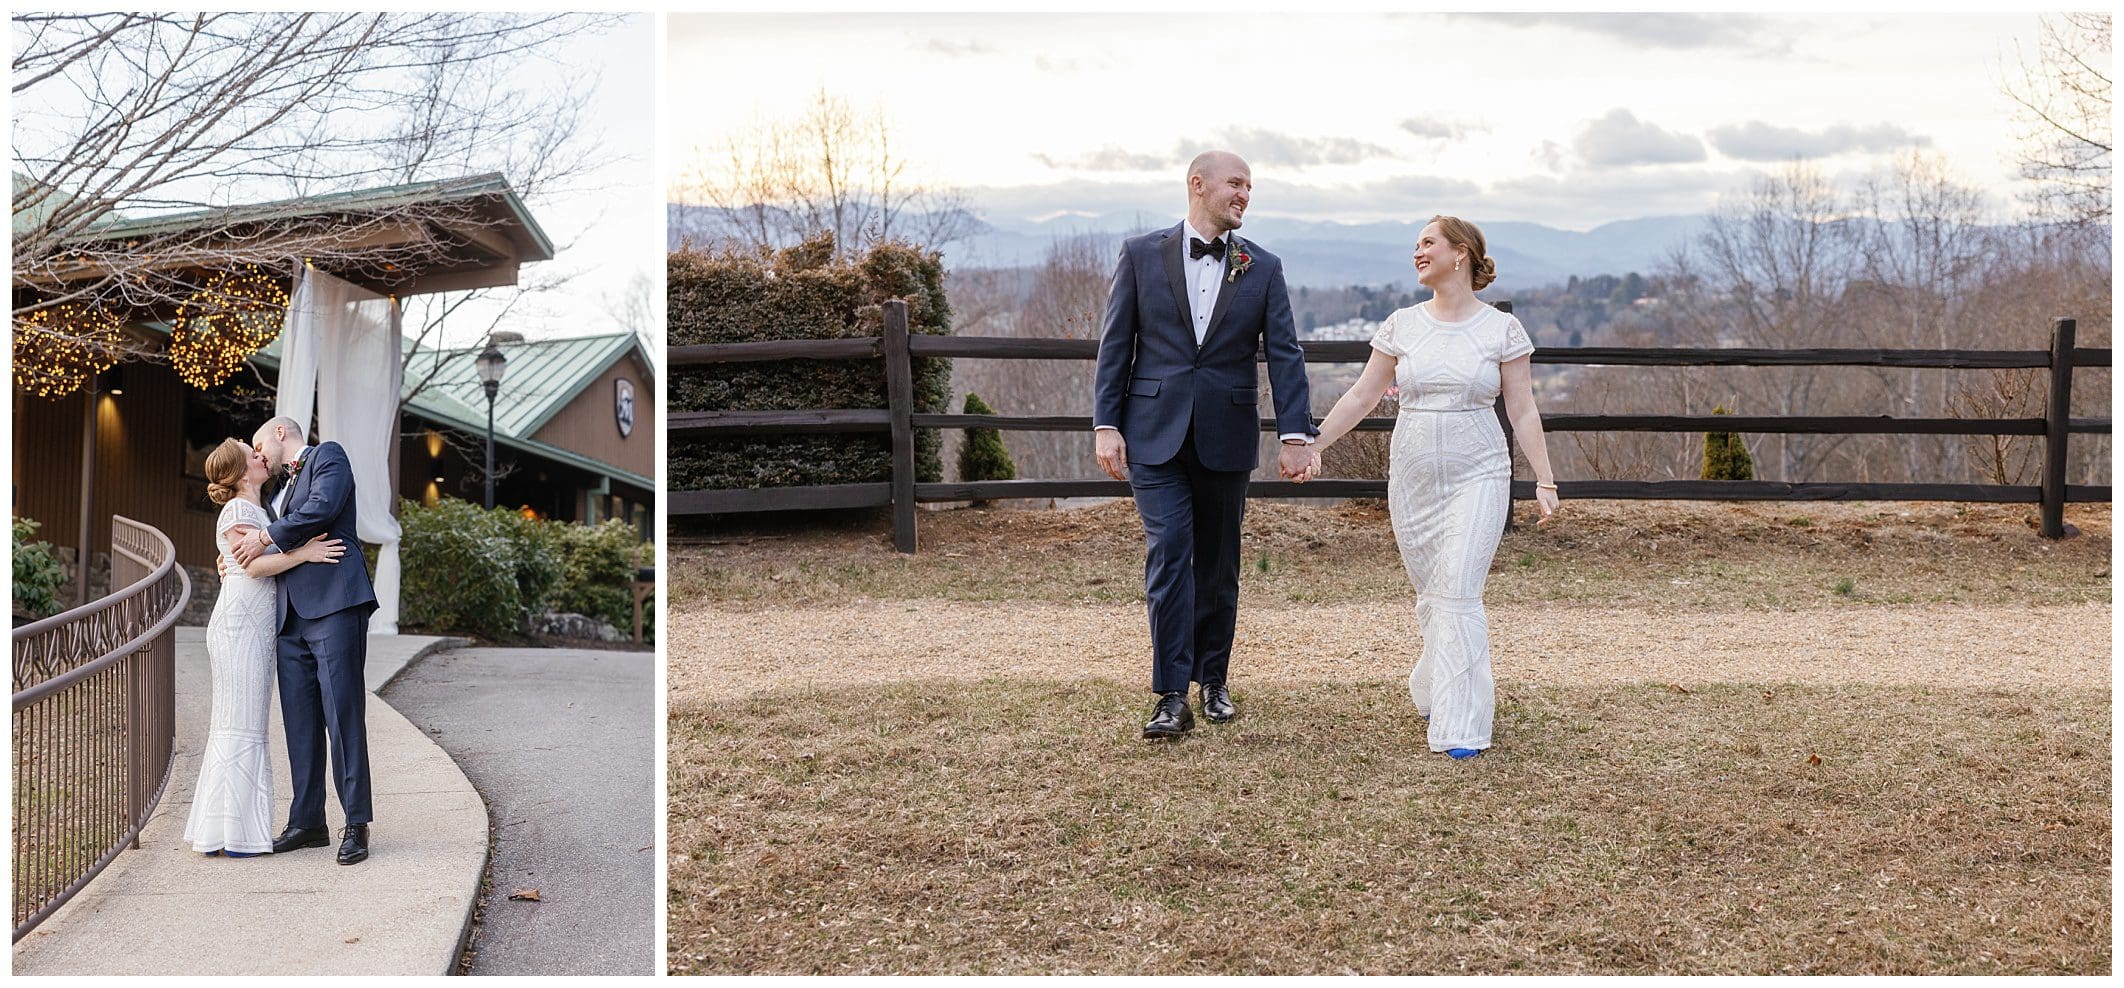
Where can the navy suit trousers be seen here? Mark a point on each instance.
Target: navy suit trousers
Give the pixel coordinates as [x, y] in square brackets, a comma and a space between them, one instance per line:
[322, 699]
[1191, 519]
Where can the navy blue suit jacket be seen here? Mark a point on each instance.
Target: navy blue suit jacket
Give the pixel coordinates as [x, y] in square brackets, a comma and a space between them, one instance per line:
[322, 503]
[1155, 385]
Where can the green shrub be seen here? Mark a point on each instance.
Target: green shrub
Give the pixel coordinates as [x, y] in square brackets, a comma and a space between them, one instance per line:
[38, 575]
[797, 294]
[983, 456]
[488, 573]
[468, 569]
[1725, 458]
[540, 552]
[597, 571]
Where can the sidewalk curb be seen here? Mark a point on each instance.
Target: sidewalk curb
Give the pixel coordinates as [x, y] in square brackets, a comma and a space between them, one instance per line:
[392, 932]
[432, 647]
[486, 861]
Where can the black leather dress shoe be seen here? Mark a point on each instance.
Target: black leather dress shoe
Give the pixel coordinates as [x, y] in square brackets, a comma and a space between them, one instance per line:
[1217, 704]
[1170, 719]
[354, 844]
[296, 838]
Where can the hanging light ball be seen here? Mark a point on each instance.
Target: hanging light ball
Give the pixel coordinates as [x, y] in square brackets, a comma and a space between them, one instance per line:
[235, 315]
[59, 348]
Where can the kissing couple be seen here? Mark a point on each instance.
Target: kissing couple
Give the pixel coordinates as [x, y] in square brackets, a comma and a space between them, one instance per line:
[1175, 413]
[290, 601]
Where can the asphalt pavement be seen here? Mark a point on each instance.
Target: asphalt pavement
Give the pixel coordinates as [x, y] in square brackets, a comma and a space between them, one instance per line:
[561, 742]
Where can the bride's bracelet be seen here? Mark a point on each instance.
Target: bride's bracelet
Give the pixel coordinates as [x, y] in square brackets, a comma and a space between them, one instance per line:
[1545, 485]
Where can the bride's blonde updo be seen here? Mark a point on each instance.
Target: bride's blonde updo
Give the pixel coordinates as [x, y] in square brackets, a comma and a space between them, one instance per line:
[1463, 234]
[225, 469]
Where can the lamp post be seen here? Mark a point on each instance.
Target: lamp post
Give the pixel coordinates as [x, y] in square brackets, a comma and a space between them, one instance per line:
[490, 363]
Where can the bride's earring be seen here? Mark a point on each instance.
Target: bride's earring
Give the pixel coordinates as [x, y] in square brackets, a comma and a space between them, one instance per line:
[1456, 265]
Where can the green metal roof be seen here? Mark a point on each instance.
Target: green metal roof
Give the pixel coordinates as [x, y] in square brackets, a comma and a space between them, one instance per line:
[540, 379]
[361, 200]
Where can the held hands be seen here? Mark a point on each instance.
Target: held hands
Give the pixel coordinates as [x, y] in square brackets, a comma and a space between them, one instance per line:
[321, 550]
[1297, 462]
[1112, 453]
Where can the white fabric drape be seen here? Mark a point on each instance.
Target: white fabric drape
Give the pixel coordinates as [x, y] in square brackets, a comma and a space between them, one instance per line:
[355, 333]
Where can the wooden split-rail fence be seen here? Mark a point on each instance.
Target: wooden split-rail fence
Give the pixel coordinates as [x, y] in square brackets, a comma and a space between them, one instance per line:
[897, 347]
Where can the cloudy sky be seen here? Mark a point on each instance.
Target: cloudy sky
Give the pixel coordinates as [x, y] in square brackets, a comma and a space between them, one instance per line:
[1569, 120]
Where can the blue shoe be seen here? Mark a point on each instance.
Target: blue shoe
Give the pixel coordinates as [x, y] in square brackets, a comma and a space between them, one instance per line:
[242, 854]
[1462, 754]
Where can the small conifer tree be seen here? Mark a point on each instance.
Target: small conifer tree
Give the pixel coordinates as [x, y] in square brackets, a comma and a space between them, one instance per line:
[983, 455]
[1724, 456]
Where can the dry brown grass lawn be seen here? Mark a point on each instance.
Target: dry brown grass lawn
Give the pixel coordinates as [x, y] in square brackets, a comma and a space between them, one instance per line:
[1663, 555]
[930, 765]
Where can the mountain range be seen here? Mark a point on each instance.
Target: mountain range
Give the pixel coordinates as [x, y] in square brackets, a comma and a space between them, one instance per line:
[1323, 254]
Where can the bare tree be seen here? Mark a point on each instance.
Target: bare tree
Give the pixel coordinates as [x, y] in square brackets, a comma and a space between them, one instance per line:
[832, 169]
[1922, 246]
[1768, 272]
[123, 118]
[1065, 297]
[2064, 107]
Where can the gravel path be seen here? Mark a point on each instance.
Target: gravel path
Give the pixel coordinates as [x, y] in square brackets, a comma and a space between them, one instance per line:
[716, 653]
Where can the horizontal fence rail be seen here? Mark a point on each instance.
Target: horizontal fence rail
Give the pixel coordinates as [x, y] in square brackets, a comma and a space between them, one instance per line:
[897, 347]
[94, 723]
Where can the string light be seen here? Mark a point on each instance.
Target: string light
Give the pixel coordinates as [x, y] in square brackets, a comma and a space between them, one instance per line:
[224, 323]
[62, 347]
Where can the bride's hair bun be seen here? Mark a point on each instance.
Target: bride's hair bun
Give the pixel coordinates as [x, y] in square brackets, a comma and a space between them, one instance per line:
[1465, 235]
[225, 469]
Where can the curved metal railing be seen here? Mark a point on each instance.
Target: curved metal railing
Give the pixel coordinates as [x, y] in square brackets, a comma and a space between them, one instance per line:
[95, 721]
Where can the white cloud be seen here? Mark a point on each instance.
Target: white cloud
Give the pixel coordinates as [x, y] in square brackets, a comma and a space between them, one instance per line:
[1759, 141]
[1620, 139]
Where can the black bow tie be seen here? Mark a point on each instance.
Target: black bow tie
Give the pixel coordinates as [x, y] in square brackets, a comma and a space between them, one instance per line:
[1196, 248]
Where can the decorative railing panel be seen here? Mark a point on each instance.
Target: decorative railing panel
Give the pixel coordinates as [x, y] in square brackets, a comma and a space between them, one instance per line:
[95, 723]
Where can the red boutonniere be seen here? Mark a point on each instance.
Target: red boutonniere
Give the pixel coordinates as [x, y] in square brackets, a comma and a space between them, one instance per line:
[294, 468]
[1241, 260]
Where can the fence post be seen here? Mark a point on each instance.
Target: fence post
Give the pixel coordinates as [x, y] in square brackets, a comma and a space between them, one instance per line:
[899, 390]
[1505, 421]
[2056, 429]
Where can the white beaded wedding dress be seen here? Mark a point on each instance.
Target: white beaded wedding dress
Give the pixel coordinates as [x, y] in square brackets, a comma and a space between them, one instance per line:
[1447, 492]
[232, 807]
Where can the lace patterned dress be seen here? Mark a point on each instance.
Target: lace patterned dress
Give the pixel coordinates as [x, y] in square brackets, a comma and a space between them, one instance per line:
[1447, 489]
[232, 807]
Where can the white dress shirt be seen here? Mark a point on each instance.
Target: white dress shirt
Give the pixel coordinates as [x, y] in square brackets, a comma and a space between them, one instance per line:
[1205, 277]
[287, 489]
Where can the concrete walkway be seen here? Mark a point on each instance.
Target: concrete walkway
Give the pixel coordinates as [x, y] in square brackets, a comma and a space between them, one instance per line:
[164, 909]
[562, 742]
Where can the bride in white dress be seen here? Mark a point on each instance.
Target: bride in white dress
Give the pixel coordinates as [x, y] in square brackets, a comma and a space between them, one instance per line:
[1450, 472]
[232, 807]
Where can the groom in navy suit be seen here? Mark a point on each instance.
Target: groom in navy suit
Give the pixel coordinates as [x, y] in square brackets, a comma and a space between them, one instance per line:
[1175, 414]
[323, 640]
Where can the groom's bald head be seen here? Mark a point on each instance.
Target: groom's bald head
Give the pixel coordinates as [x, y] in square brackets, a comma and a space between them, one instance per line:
[1211, 166]
[1219, 184]
[278, 439]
